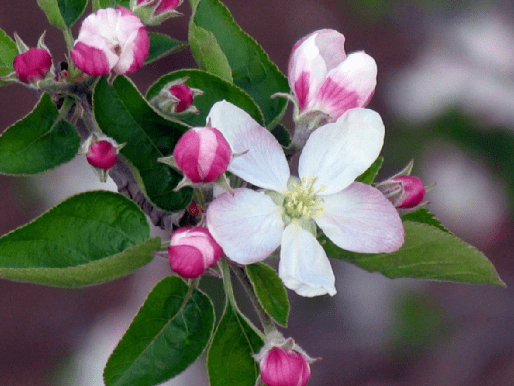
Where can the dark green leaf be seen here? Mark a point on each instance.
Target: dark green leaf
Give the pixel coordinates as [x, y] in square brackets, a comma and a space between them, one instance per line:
[168, 333]
[282, 135]
[214, 88]
[97, 4]
[428, 253]
[71, 10]
[230, 360]
[369, 175]
[90, 238]
[162, 45]
[123, 114]
[8, 51]
[270, 291]
[423, 215]
[40, 141]
[251, 68]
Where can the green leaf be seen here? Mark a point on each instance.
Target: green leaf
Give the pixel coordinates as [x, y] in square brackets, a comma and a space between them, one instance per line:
[282, 135]
[123, 114]
[90, 238]
[369, 175]
[214, 88]
[53, 13]
[428, 253]
[270, 291]
[40, 141]
[169, 332]
[162, 45]
[230, 361]
[213, 29]
[424, 216]
[71, 10]
[8, 50]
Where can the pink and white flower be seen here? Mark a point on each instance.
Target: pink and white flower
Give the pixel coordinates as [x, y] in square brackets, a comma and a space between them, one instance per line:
[325, 81]
[192, 251]
[111, 40]
[249, 225]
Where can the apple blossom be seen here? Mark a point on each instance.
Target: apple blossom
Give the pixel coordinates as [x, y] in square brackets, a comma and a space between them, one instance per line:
[404, 191]
[325, 81]
[249, 225]
[111, 40]
[32, 65]
[282, 367]
[176, 97]
[192, 251]
[101, 153]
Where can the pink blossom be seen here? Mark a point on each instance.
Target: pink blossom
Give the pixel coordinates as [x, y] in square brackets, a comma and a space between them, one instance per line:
[202, 154]
[184, 94]
[325, 80]
[111, 40]
[281, 367]
[192, 251]
[32, 65]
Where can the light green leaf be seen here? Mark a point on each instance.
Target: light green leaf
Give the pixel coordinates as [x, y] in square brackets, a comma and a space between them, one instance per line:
[90, 238]
[230, 361]
[8, 51]
[216, 37]
[123, 114]
[40, 141]
[214, 88]
[369, 175]
[162, 45]
[428, 253]
[52, 12]
[169, 333]
[270, 291]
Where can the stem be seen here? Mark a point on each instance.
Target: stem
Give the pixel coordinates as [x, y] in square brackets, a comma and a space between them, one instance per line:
[267, 323]
[227, 283]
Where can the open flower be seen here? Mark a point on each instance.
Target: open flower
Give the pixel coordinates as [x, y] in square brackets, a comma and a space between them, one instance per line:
[325, 81]
[111, 40]
[249, 225]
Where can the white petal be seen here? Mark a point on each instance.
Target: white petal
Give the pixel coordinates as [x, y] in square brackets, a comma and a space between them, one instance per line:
[248, 225]
[361, 219]
[265, 164]
[339, 152]
[304, 266]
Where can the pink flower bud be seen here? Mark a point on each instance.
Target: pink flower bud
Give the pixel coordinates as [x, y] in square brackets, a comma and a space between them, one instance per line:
[325, 80]
[192, 251]
[412, 191]
[32, 65]
[176, 97]
[184, 94]
[282, 367]
[111, 39]
[202, 154]
[102, 155]
[161, 6]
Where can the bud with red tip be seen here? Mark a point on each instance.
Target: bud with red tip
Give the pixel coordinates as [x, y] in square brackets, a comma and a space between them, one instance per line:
[154, 12]
[282, 367]
[403, 190]
[177, 97]
[101, 153]
[111, 40]
[192, 251]
[32, 64]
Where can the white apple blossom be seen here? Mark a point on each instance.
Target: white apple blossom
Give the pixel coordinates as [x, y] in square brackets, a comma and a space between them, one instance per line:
[249, 225]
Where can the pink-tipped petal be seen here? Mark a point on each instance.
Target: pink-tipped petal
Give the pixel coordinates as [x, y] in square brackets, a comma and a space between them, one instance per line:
[90, 60]
[264, 164]
[361, 219]
[304, 267]
[339, 152]
[134, 53]
[248, 225]
[351, 84]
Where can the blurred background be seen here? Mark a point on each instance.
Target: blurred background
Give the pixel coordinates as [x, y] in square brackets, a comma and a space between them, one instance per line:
[446, 94]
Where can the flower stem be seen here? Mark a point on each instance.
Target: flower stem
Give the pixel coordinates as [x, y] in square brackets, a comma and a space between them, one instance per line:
[267, 323]
[227, 283]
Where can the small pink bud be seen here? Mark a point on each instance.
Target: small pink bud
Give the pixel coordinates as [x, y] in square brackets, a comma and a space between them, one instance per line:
[413, 191]
[282, 367]
[202, 154]
[177, 97]
[154, 12]
[102, 155]
[192, 251]
[32, 65]
[184, 94]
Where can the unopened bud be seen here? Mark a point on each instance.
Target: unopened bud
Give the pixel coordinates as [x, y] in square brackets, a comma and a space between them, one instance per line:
[154, 12]
[282, 367]
[411, 191]
[176, 97]
[101, 153]
[192, 251]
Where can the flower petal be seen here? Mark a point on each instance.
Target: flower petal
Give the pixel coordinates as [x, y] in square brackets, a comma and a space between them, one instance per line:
[265, 164]
[361, 219]
[248, 225]
[304, 267]
[339, 152]
[351, 84]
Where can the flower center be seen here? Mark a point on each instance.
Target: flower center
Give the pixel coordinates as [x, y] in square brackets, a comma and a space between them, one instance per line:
[302, 200]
